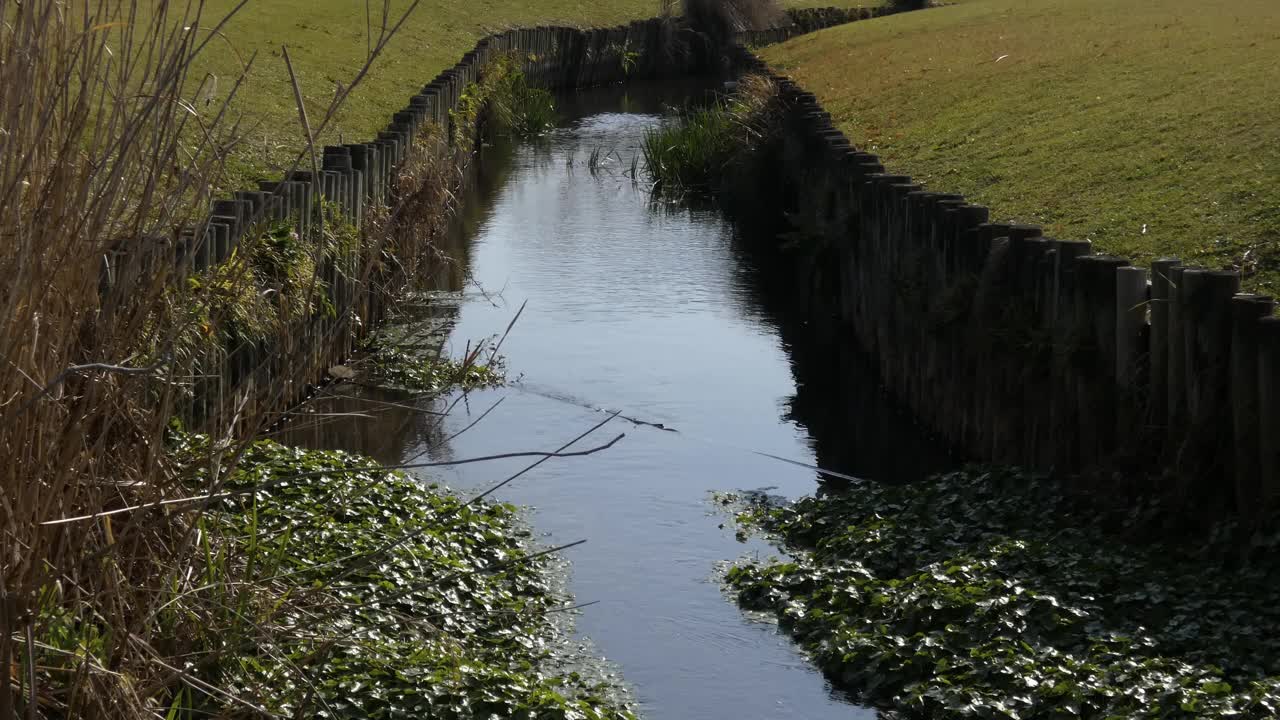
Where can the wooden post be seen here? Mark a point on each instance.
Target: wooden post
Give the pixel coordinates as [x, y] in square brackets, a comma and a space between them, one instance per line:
[1158, 403]
[1246, 311]
[1097, 418]
[1268, 336]
[1175, 422]
[1131, 352]
[1064, 427]
[1207, 323]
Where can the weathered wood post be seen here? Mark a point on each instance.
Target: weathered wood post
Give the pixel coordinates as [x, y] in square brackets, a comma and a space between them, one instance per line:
[1207, 327]
[1158, 395]
[1067, 336]
[1268, 337]
[1176, 420]
[1096, 359]
[1246, 311]
[1131, 354]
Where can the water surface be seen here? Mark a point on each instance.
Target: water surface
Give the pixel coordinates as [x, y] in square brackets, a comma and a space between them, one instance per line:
[656, 311]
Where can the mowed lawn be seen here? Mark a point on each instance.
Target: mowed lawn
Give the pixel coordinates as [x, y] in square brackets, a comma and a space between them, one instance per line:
[328, 43]
[1151, 128]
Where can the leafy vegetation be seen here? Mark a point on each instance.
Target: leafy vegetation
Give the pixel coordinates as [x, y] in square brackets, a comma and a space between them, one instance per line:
[267, 285]
[436, 374]
[992, 594]
[1135, 125]
[404, 601]
[503, 102]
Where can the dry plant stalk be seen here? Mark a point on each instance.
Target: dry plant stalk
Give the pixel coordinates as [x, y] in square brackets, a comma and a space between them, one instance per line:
[102, 160]
[105, 161]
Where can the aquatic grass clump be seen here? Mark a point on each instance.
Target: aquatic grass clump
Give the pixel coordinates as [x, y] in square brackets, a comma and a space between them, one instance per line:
[983, 594]
[692, 153]
[689, 152]
[530, 110]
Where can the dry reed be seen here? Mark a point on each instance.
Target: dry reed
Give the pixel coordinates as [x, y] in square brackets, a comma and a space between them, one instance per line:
[107, 163]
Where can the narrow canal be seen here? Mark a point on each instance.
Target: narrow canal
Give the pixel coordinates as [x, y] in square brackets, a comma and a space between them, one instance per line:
[654, 310]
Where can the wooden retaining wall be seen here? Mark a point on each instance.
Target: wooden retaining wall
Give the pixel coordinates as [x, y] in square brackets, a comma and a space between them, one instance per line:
[358, 179]
[1023, 349]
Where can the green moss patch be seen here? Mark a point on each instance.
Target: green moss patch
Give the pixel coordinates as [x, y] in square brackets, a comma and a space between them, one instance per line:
[990, 594]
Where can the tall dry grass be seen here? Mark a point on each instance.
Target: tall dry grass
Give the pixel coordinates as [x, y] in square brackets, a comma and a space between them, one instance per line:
[109, 153]
[103, 158]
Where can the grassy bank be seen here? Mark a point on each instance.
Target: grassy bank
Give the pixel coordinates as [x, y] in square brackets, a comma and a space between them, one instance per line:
[1145, 127]
[989, 594]
[328, 43]
[376, 597]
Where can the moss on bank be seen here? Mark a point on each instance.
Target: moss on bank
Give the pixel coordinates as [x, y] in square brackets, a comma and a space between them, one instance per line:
[990, 594]
[392, 599]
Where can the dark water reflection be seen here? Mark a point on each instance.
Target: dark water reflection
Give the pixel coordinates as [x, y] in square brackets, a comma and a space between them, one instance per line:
[654, 311]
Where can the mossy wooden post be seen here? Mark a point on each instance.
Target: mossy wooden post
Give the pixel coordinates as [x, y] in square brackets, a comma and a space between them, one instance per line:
[1246, 311]
[1268, 337]
[1132, 343]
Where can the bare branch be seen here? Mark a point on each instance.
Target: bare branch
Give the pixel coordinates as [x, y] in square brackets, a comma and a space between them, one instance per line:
[337, 471]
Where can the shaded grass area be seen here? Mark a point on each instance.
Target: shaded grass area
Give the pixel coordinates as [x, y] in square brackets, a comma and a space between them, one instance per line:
[1148, 128]
[403, 601]
[328, 43]
[992, 594]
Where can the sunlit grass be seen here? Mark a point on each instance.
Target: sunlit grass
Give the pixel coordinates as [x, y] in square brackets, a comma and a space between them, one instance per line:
[1150, 128]
[328, 42]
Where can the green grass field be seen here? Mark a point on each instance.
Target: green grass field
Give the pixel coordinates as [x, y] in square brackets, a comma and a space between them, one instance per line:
[1151, 128]
[328, 42]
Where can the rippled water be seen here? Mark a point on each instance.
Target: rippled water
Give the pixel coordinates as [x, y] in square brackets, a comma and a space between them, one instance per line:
[654, 311]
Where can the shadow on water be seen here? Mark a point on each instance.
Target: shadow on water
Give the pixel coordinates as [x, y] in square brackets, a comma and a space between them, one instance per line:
[673, 317]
